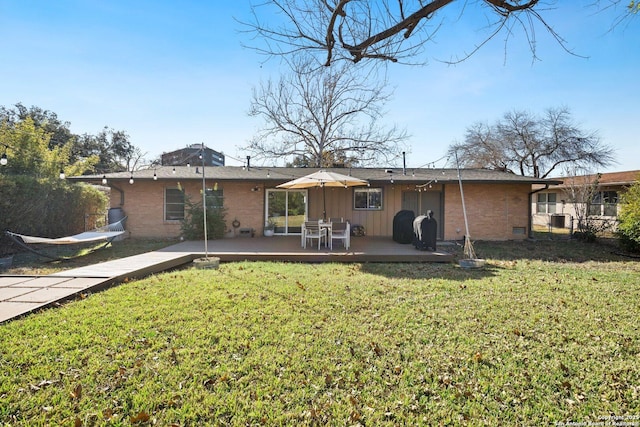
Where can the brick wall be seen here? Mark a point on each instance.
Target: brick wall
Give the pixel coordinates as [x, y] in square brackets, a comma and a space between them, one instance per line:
[144, 205]
[492, 211]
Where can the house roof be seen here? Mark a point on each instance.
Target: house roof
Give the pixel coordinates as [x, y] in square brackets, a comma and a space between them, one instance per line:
[604, 179]
[279, 175]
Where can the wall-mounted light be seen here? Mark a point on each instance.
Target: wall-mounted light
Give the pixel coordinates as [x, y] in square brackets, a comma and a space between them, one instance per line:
[104, 180]
[256, 188]
[131, 179]
[155, 176]
[62, 175]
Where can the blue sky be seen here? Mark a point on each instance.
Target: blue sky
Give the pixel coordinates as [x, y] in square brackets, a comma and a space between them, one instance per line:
[174, 73]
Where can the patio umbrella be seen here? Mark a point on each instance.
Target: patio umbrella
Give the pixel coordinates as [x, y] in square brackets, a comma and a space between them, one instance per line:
[324, 179]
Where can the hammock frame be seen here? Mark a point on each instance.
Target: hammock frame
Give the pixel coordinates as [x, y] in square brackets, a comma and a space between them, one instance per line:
[106, 234]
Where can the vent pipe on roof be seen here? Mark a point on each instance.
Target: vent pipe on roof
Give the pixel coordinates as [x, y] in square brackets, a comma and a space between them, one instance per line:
[248, 162]
[404, 163]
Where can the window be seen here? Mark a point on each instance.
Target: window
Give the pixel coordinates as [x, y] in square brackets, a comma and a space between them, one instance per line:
[604, 203]
[610, 199]
[546, 203]
[214, 198]
[173, 204]
[367, 198]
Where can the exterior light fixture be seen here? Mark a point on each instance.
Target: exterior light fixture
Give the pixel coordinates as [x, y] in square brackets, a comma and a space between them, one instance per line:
[104, 180]
[4, 160]
[131, 179]
[62, 175]
[155, 177]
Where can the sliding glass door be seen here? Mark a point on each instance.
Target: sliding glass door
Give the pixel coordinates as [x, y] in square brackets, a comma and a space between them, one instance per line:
[287, 209]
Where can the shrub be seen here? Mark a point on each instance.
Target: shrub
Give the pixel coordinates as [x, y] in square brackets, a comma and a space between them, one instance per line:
[193, 223]
[629, 226]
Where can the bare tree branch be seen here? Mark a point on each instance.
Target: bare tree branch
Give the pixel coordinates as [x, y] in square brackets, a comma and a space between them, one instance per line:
[388, 30]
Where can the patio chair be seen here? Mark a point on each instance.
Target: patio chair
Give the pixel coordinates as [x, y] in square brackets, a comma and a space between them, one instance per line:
[341, 231]
[313, 230]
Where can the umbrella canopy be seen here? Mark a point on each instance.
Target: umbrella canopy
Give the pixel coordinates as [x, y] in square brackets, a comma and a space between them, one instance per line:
[323, 178]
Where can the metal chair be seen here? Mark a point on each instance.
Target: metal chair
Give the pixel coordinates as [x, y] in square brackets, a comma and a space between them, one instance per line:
[341, 231]
[312, 230]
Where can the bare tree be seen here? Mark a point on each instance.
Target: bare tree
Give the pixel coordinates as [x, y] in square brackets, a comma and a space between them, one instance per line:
[530, 145]
[324, 116]
[392, 30]
[582, 190]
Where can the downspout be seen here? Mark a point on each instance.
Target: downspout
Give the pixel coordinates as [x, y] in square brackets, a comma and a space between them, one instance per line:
[121, 193]
[546, 187]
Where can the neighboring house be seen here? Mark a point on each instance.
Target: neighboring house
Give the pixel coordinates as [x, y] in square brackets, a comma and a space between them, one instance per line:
[596, 196]
[498, 204]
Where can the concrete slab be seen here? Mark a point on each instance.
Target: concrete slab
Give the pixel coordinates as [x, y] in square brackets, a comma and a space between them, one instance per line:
[10, 310]
[40, 282]
[80, 283]
[43, 296]
[12, 292]
[13, 280]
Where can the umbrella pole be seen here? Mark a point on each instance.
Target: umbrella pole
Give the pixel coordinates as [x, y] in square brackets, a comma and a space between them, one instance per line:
[324, 202]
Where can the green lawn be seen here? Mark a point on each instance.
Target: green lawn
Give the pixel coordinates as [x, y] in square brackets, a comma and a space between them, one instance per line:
[546, 333]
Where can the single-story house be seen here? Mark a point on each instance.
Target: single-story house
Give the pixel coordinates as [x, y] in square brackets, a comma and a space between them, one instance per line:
[595, 195]
[498, 204]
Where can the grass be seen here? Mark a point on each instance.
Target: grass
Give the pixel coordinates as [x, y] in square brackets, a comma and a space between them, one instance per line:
[547, 333]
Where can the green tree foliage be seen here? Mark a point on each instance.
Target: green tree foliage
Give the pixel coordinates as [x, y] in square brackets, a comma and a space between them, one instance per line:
[48, 121]
[108, 151]
[629, 226]
[29, 152]
[113, 149]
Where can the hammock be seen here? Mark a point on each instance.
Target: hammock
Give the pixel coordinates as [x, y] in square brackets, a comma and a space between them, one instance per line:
[104, 234]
